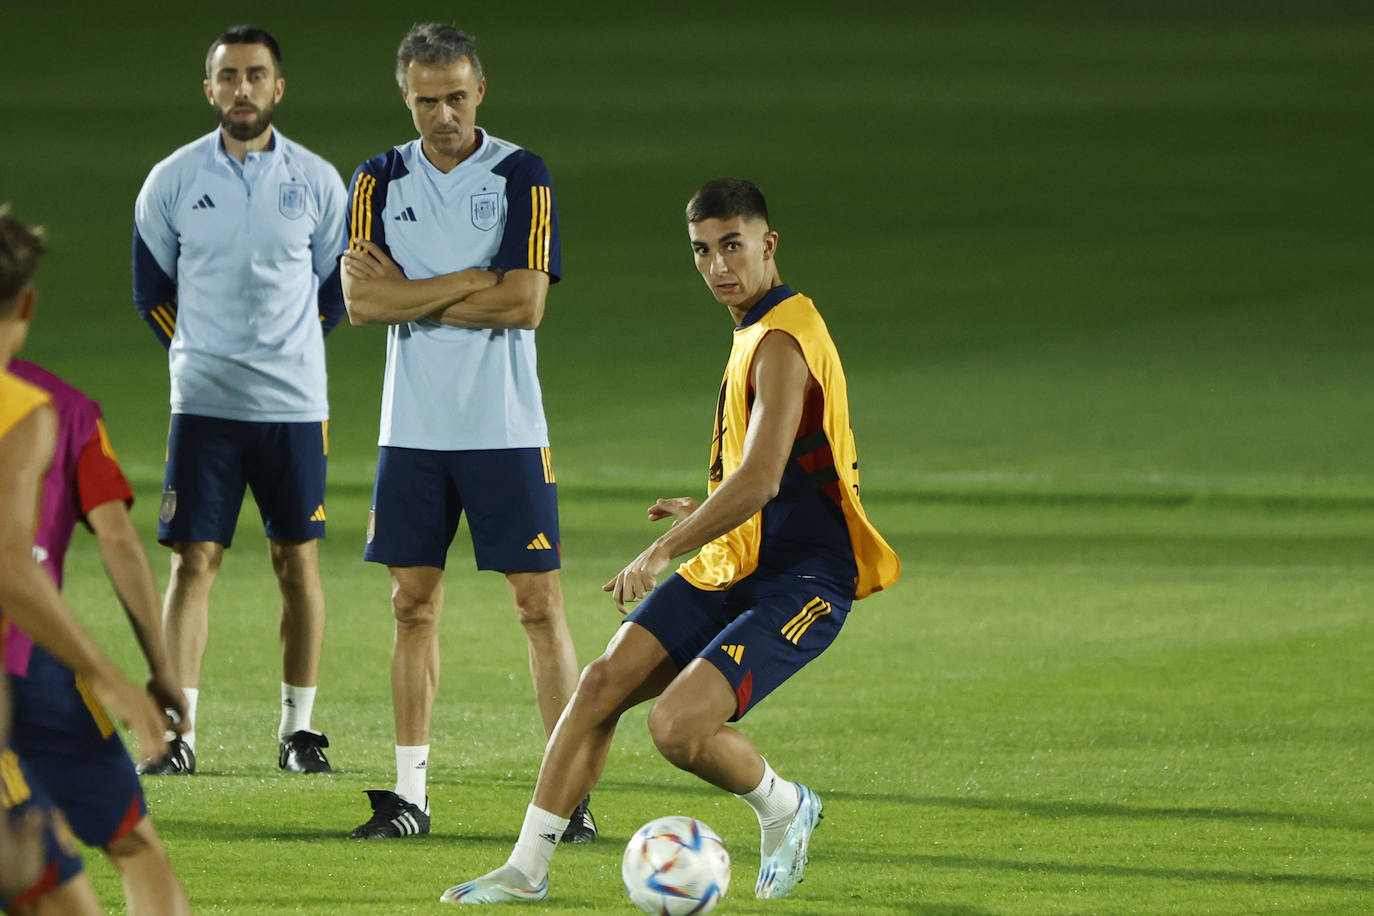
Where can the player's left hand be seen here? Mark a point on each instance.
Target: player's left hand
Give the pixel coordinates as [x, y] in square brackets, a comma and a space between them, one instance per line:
[635, 581]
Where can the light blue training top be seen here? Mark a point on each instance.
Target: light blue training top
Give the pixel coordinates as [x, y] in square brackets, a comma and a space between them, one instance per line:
[447, 388]
[235, 267]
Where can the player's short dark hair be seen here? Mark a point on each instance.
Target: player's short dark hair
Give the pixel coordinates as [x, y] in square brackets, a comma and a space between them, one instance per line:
[245, 35]
[726, 198]
[21, 248]
[433, 44]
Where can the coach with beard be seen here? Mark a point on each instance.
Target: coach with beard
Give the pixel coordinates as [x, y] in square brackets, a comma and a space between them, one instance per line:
[234, 268]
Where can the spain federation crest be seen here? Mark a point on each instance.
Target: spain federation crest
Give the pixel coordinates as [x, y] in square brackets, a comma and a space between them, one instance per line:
[168, 510]
[486, 210]
[291, 200]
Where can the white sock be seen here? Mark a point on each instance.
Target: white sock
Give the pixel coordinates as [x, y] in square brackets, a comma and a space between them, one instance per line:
[412, 768]
[539, 837]
[774, 800]
[296, 705]
[192, 698]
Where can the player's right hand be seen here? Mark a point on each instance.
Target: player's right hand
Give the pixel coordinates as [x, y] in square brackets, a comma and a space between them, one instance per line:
[135, 709]
[678, 507]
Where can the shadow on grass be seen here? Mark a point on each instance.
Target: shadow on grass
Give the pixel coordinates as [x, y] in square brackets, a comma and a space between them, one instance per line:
[228, 832]
[1205, 875]
[1065, 809]
[1053, 810]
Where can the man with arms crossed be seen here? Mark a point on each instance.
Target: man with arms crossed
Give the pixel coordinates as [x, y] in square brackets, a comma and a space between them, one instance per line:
[30, 600]
[455, 243]
[785, 549]
[236, 237]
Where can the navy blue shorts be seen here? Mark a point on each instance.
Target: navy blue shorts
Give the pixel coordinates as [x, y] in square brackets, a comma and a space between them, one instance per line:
[19, 795]
[509, 495]
[759, 633]
[69, 743]
[210, 461]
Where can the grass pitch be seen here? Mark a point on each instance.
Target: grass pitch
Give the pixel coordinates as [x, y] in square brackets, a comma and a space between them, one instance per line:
[1124, 710]
[1100, 275]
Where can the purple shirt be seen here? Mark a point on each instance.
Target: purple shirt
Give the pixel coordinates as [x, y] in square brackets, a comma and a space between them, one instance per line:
[76, 423]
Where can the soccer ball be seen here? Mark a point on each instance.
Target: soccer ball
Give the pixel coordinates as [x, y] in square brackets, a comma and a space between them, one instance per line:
[674, 866]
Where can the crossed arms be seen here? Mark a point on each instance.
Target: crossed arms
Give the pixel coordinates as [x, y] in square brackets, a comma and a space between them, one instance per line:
[377, 291]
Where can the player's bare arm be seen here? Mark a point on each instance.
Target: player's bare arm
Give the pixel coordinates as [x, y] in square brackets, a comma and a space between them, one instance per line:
[31, 598]
[516, 301]
[126, 564]
[377, 291]
[780, 379]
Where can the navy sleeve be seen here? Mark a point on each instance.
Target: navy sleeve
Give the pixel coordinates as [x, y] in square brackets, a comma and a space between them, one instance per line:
[366, 201]
[155, 293]
[531, 239]
[331, 301]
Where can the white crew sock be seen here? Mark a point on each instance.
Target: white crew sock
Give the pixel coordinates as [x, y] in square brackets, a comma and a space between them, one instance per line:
[192, 695]
[412, 768]
[297, 703]
[539, 837]
[774, 800]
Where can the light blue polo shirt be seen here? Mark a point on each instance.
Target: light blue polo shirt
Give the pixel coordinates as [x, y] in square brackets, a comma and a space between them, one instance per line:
[446, 388]
[230, 258]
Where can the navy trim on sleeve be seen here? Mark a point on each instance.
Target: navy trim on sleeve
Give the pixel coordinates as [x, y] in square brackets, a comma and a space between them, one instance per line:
[155, 293]
[367, 198]
[531, 240]
[331, 301]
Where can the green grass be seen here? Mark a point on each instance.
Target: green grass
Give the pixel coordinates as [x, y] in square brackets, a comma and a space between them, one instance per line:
[1100, 274]
[1127, 709]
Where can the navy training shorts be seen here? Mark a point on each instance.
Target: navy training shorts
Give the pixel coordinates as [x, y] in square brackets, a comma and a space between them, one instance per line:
[509, 495]
[209, 463]
[758, 634]
[18, 796]
[70, 746]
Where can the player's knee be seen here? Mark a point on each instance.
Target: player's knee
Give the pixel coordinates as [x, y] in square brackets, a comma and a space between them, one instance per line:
[141, 842]
[599, 690]
[676, 739]
[196, 559]
[538, 613]
[413, 610]
[538, 603]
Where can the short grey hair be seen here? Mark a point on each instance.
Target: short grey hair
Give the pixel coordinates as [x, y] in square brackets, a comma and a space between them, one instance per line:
[433, 44]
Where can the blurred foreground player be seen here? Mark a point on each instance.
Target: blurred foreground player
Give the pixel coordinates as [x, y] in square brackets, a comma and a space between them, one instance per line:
[28, 431]
[785, 549]
[236, 239]
[65, 739]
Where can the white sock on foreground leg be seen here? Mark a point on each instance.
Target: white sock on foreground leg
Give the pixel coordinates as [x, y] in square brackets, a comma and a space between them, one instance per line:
[774, 800]
[539, 837]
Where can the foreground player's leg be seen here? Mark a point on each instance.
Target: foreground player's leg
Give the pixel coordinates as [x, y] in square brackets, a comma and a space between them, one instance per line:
[151, 885]
[186, 622]
[538, 598]
[417, 602]
[633, 669]
[297, 567]
[689, 727]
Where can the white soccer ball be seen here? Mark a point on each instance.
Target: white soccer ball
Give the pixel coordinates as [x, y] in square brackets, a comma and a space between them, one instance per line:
[674, 866]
